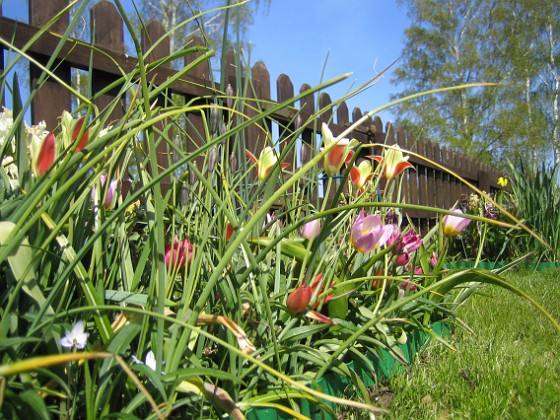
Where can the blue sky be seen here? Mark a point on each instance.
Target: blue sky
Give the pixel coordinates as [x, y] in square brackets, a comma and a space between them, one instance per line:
[300, 37]
[295, 37]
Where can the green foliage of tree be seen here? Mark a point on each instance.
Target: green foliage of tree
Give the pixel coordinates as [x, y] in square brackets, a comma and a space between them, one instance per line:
[515, 44]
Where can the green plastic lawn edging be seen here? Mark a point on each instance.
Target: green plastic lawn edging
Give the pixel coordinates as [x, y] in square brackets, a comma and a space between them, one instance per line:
[384, 364]
[490, 265]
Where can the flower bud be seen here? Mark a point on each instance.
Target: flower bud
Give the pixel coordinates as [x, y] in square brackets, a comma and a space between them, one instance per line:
[212, 158]
[299, 299]
[311, 229]
[297, 122]
[179, 253]
[433, 259]
[232, 162]
[402, 259]
[229, 96]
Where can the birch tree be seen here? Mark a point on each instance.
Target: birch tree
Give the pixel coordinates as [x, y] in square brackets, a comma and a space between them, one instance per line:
[514, 43]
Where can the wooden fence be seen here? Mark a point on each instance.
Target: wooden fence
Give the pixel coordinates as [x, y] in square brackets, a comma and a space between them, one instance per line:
[428, 185]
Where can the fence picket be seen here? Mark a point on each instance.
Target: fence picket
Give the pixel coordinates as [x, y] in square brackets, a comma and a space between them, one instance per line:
[44, 106]
[108, 33]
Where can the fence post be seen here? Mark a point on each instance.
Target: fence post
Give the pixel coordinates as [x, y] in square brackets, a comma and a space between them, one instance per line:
[153, 34]
[107, 28]
[258, 89]
[285, 91]
[483, 180]
[309, 141]
[194, 128]
[51, 98]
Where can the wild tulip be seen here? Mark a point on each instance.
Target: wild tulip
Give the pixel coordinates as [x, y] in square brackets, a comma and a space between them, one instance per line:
[46, 155]
[410, 242]
[408, 286]
[42, 148]
[454, 225]
[392, 217]
[84, 138]
[229, 231]
[72, 129]
[6, 123]
[394, 238]
[299, 299]
[338, 155]
[361, 174]
[311, 229]
[433, 259]
[402, 259]
[110, 191]
[369, 233]
[178, 254]
[393, 162]
[315, 288]
[265, 163]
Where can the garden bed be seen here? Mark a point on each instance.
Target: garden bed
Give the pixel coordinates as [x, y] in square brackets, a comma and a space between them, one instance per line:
[385, 365]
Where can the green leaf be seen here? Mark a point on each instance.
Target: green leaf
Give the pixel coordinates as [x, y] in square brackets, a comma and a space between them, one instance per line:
[130, 298]
[22, 157]
[34, 404]
[21, 264]
[288, 247]
[304, 331]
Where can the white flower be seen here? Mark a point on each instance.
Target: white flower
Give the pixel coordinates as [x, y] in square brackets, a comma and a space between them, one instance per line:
[6, 122]
[35, 136]
[150, 360]
[77, 337]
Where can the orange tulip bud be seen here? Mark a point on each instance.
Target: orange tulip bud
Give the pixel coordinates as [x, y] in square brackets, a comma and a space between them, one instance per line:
[299, 299]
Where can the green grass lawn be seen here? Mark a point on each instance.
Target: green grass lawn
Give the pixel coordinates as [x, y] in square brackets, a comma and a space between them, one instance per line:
[507, 368]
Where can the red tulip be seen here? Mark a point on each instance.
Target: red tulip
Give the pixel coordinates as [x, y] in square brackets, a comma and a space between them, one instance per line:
[85, 136]
[46, 154]
[299, 299]
[320, 290]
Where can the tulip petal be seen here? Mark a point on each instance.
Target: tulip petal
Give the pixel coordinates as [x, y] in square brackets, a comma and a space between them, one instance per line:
[85, 136]
[46, 154]
[316, 316]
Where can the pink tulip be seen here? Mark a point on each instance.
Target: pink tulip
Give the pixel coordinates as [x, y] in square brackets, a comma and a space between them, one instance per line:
[454, 225]
[410, 241]
[110, 191]
[178, 254]
[311, 229]
[369, 233]
[433, 259]
[402, 259]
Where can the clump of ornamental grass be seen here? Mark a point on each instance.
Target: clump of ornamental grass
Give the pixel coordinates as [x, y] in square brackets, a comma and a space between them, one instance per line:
[225, 290]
